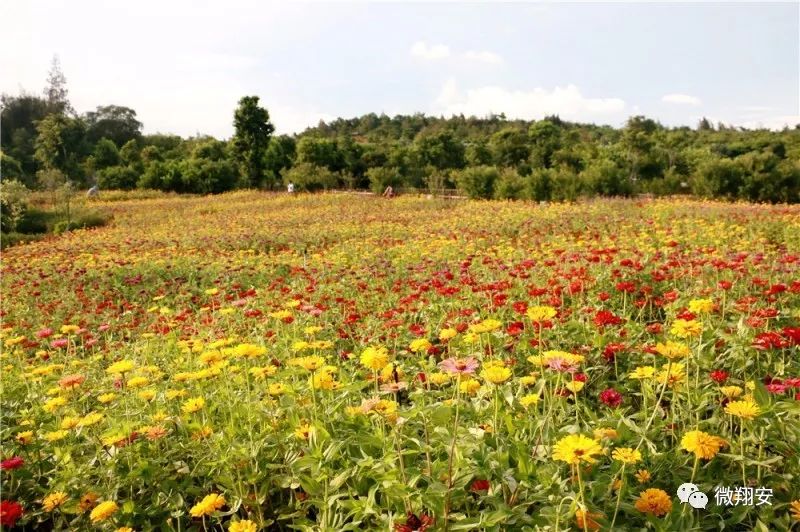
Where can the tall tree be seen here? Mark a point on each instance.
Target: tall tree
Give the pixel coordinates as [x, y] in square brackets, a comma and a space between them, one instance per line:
[250, 143]
[56, 90]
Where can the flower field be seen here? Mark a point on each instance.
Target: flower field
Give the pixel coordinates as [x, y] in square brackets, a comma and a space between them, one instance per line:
[329, 362]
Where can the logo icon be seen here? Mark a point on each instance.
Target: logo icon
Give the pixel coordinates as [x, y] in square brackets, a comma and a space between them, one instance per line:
[690, 493]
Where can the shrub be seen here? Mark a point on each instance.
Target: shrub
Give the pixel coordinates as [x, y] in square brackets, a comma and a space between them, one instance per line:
[310, 177]
[381, 177]
[478, 181]
[510, 185]
[606, 179]
[13, 203]
[539, 186]
[117, 177]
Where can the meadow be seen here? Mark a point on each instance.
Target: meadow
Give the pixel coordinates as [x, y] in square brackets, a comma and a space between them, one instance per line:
[252, 361]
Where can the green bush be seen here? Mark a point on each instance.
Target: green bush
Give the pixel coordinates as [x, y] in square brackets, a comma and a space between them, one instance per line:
[13, 203]
[539, 186]
[510, 185]
[606, 179]
[381, 177]
[117, 177]
[83, 220]
[310, 177]
[477, 182]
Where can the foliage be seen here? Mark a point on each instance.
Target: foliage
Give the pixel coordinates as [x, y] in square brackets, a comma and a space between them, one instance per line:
[477, 182]
[310, 177]
[13, 203]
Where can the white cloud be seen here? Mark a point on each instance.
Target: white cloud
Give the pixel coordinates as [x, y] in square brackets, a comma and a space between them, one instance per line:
[681, 99]
[483, 57]
[431, 52]
[772, 122]
[567, 102]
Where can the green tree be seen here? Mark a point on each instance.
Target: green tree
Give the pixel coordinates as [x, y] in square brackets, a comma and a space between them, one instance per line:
[56, 90]
[113, 122]
[60, 143]
[251, 140]
[105, 154]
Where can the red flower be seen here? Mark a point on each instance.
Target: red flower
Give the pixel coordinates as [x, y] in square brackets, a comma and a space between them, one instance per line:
[719, 376]
[479, 485]
[725, 285]
[10, 511]
[655, 328]
[770, 340]
[12, 463]
[515, 328]
[606, 317]
[415, 524]
[579, 377]
[611, 397]
[611, 350]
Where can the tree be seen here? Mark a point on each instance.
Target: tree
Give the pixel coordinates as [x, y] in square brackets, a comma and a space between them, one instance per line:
[250, 142]
[113, 122]
[18, 130]
[441, 150]
[280, 154]
[510, 147]
[60, 143]
[56, 90]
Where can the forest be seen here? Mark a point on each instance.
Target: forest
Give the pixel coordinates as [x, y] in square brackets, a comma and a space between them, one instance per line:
[45, 143]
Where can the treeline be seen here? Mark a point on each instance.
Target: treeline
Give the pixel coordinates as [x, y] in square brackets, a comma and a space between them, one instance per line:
[44, 141]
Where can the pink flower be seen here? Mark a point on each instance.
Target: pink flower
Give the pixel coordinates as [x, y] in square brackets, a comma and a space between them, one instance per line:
[44, 333]
[61, 342]
[461, 366]
[611, 397]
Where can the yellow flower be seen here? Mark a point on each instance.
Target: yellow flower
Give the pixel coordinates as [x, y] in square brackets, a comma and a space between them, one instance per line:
[249, 350]
[575, 386]
[419, 344]
[496, 374]
[25, 437]
[485, 326]
[174, 394]
[103, 511]
[743, 409]
[643, 476]
[437, 379]
[311, 330]
[106, 397]
[541, 313]
[193, 405]
[56, 435]
[147, 395]
[263, 372]
[138, 382]
[654, 501]
[731, 392]
[88, 500]
[323, 379]
[124, 529]
[701, 306]
[112, 439]
[123, 366]
[529, 400]
[202, 433]
[528, 380]
[386, 408]
[672, 350]
[576, 448]
[70, 422]
[51, 405]
[309, 363]
[54, 500]
[469, 386]
[304, 431]
[447, 334]
[675, 375]
[211, 291]
[609, 434]
[69, 329]
[209, 505]
[642, 372]
[243, 526]
[375, 358]
[276, 388]
[281, 314]
[703, 445]
[686, 328]
[626, 455]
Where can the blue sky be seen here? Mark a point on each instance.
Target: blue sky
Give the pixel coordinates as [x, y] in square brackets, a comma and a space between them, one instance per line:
[183, 65]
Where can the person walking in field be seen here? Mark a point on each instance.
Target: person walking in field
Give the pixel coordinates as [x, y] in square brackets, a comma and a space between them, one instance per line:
[290, 188]
[389, 192]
